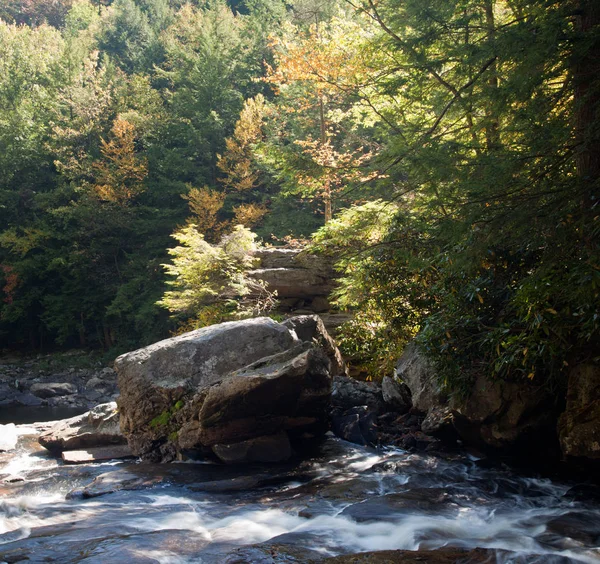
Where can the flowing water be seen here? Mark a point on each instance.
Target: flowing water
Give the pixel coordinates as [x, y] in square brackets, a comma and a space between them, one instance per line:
[342, 499]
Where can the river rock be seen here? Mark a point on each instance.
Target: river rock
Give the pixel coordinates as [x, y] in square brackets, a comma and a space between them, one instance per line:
[98, 427]
[422, 556]
[270, 448]
[348, 393]
[218, 387]
[396, 394]
[52, 389]
[356, 425]
[419, 374]
[579, 425]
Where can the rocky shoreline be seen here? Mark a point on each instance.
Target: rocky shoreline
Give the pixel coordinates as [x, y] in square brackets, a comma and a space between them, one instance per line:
[32, 383]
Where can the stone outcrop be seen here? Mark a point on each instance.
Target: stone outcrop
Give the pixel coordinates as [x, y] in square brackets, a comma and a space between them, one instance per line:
[303, 282]
[579, 425]
[98, 427]
[509, 416]
[241, 390]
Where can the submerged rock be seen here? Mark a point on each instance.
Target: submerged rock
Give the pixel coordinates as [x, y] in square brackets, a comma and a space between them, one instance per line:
[579, 425]
[224, 387]
[95, 428]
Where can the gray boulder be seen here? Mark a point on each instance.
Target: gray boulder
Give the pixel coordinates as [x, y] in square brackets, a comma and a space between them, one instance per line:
[52, 389]
[348, 393]
[231, 388]
[98, 427]
[419, 374]
[311, 329]
[396, 394]
[579, 425]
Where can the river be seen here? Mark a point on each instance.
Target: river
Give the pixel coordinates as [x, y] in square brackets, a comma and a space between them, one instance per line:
[341, 499]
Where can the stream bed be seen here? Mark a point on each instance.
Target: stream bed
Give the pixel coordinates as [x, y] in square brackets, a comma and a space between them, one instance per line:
[342, 499]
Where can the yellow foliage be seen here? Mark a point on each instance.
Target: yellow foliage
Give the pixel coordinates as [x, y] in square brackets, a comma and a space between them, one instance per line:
[237, 162]
[204, 204]
[121, 173]
[249, 215]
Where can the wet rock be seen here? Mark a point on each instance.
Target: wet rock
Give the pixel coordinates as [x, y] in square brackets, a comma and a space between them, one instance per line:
[419, 374]
[292, 548]
[579, 425]
[440, 556]
[356, 425]
[271, 448]
[581, 527]
[98, 427]
[223, 385]
[111, 482]
[396, 394]
[416, 501]
[52, 389]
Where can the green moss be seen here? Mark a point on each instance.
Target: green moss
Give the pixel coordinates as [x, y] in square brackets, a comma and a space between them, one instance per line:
[161, 420]
[165, 417]
[173, 436]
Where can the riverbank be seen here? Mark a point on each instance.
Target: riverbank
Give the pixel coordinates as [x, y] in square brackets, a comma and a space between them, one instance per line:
[74, 381]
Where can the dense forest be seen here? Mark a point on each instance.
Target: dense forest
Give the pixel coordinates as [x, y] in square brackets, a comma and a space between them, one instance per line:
[446, 153]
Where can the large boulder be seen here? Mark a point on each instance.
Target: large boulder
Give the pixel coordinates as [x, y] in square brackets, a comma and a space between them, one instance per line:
[98, 427]
[240, 390]
[511, 416]
[419, 374]
[579, 425]
[396, 394]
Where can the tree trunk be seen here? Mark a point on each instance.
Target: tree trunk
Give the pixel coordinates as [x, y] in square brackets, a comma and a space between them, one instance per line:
[586, 77]
[492, 133]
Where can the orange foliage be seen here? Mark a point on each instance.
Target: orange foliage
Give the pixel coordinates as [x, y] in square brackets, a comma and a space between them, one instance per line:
[204, 204]
[249, 215]
[12, 281]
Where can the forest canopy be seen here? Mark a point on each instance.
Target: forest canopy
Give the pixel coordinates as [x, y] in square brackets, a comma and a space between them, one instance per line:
[446, 152]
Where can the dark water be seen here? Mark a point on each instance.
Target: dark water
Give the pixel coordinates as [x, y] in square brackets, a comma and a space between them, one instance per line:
[344, 499]
[24, 414]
